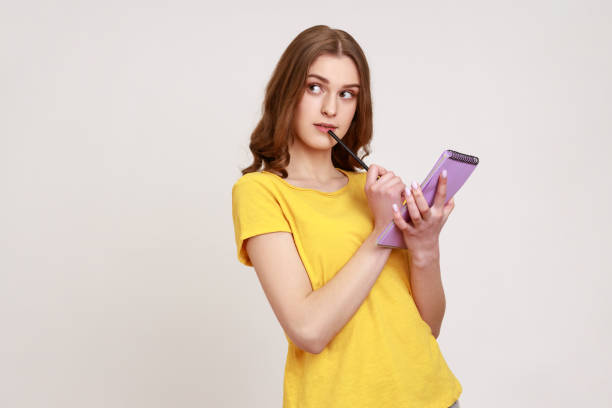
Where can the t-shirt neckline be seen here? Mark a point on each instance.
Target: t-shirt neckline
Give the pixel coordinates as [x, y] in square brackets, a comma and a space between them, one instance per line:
[339, 191]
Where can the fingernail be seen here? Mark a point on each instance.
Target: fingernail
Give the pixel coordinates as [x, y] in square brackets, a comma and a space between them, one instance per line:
[408, 193]
[394, 207]
[415, 185]
[444, 173]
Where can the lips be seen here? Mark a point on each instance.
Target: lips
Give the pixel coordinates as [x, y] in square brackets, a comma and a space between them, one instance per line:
[324, 127]
[327, 125]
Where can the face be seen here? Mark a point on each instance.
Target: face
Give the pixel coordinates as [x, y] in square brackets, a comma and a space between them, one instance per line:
[329, 101]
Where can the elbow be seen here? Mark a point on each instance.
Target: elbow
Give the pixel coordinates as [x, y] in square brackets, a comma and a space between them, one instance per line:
[317, 346]
[308, 333]
[314, 345]
[312, 348]
[434, 330]
[310, 341]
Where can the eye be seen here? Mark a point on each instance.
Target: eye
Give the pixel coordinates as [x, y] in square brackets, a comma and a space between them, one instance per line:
[347, 95]
[314, 88]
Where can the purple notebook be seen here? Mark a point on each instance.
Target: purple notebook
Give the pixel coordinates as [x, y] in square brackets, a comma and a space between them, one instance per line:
[459, 166]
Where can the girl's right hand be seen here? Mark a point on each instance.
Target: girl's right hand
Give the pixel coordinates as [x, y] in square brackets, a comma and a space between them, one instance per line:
[382, 193]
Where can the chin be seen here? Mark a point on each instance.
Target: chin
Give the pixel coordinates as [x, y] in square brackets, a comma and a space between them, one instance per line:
[318, 141]
[321, 146]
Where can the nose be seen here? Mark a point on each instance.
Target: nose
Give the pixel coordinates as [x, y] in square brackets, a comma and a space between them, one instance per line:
[328, 108]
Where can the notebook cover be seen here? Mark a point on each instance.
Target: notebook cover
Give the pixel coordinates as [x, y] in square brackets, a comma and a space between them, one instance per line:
[459, 166]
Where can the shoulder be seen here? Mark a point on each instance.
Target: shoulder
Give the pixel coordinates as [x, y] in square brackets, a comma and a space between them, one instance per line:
[254, 178]
[255, 183]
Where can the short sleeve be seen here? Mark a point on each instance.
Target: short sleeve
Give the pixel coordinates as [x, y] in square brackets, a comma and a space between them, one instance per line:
[255, 210]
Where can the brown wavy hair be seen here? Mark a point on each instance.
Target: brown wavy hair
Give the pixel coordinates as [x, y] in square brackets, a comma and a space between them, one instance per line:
[271, 138]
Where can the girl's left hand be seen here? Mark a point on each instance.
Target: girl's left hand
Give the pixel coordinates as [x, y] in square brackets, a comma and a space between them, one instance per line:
[421, 237]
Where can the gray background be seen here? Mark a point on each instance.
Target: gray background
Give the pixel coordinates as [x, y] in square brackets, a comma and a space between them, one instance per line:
[124, 125]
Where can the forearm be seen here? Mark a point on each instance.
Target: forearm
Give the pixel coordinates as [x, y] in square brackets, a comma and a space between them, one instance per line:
[427, 290]
[333, 305]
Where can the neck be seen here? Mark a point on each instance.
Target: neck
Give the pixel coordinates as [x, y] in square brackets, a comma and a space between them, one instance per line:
[306, 163]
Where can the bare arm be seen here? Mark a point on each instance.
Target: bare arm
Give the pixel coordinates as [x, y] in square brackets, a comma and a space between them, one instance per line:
[311, 319]
[422, 240]
[336, 302]
[427, 290]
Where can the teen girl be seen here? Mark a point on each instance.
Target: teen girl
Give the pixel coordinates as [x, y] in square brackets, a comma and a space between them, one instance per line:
[361, 320]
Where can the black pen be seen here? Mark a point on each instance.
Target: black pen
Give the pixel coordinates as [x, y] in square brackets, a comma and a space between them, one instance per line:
[365, 166]
[347, 149]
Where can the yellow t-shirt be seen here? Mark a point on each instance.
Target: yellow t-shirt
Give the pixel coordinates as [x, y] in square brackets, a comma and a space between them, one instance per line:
[386, 355]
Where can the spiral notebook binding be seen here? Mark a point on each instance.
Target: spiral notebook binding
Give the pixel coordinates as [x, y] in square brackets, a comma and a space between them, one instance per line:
[465, 158]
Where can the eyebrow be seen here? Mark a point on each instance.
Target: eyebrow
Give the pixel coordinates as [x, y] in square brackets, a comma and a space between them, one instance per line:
[325, 80]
